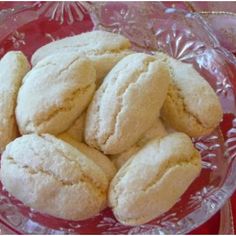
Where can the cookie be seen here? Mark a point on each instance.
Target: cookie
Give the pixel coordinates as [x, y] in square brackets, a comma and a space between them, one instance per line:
[156, 131]
[153, 180]
[127, 103]
[52, 177]
[13, 67]
[54, 94]
[100, 159]
[191, 105]
[103, 48]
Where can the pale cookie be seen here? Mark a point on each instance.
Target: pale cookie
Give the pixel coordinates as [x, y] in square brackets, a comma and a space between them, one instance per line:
[54, 94]
[127, 103]
[156, 131]
[76, 131]
[103, 48]
[52, 177]
[100, 159]
[151, 182]
[191, 106]
[13, 67]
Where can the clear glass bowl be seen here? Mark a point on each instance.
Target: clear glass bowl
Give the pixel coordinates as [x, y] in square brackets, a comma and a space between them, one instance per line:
[150, 27]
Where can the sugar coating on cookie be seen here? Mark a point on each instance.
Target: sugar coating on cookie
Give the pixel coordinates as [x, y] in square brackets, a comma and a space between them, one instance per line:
[13, 67]
[127, 103]
[103, 48]
[53, 177]
[152, 181]
[99, 158]
[191, 105]
[54, 94]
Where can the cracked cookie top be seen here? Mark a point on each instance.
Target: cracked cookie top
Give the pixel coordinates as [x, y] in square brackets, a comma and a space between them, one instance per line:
[103, 48]
[191, 105]
[127, 103]
[94, 43]
[152, 181]
[54, 93]
[53, 177]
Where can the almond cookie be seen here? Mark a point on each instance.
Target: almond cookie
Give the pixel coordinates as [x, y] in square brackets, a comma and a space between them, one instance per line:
[54, 94]
[105, 49]
[13, 67]
[153, 180]
[191, 106]
[52, 177]
[100, 159]
[127, 103]
[156, 131]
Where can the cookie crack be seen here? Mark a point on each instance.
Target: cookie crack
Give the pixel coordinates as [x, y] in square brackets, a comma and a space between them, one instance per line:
[68, 100]
[121, 93]
[170, 164]
[181, 105]
[33, 171]
[39, 66]
[49, 63]
[98, 186]
[65, 183]
[67, 67]
[164, 167]
[67, 106]
[159, 176]
[98, 118]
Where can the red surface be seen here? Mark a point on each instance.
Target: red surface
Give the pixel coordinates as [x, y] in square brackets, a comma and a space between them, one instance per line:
[233, 201]
[211, 226]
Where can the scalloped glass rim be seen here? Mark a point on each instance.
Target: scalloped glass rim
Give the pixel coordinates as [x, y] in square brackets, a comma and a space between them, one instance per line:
[217, 197]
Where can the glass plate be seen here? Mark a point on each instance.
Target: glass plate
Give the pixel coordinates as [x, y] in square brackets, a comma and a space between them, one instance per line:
[150, 27]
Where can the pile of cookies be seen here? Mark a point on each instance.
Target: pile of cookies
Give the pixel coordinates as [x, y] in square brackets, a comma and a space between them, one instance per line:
[94, 124]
